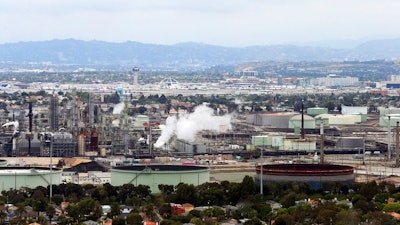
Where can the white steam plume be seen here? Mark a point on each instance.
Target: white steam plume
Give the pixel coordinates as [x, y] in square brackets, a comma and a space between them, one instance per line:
[118, 108]
[167, 131]
[187, 126]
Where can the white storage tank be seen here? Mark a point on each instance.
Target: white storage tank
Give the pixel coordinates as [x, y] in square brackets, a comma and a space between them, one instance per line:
[295, 122]
[152, 175]
[31, 177]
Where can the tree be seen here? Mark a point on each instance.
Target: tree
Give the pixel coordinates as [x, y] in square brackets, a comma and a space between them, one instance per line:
[392, 207]
[134, 218]
[288, 200]
[369, 190]
[248, 187]
[57, 199]
[233, 192]
[90, 208]
[324, 213]
[186, 193]
[212, 196]
[50, 212]
[162, 99]
[264, 211]
[196, 221]
[40, 205]
[347, 217]
[74, 212]
[285, 219]
[118, 221]
[253, 221]
[3, 216]
[380, 218]
[166, 189]
[330, 106]
[115, 210]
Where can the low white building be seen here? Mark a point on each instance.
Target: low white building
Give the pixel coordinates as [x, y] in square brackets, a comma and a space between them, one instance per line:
[333, 80]
[91, 177]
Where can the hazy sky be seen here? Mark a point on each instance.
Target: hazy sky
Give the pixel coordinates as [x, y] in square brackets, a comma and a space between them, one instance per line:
[221, 22]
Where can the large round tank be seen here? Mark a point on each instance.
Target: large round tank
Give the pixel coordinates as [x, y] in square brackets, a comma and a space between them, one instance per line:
[295, 121]
[314, 174]
[3, 162]
[350, 143]
[317, 111]
[153, 175]
[31, 177]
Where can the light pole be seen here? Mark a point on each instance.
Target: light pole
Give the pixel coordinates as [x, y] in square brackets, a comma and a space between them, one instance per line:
[51, 166]
[261, 170]
[363, 158]
[389, 150]
[50, 135]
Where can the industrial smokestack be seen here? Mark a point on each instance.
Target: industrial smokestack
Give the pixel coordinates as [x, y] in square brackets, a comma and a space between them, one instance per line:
[30, 116]
[135, 75]
[302, 119]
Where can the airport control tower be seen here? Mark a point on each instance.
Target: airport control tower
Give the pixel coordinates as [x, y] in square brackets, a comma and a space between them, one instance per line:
[135, 75]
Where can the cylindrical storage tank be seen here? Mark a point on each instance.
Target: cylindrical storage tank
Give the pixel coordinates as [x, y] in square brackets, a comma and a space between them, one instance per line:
[277, 141]
[275, 120]
[278, 120]
[384, 120]
[260, 140]
[3, 162]
[298, 145]
[314, 174]
[350, 143]
[344, 119]
[383, 111]
[31, 177]
[250, 147]
[317, 111]
[81, 144]
[153, 175]
[295, 121]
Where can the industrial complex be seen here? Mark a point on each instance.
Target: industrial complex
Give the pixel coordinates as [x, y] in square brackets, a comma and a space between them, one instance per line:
[176, 141]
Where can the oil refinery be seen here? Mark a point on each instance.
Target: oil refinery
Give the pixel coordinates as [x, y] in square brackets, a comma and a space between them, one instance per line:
[129, 138]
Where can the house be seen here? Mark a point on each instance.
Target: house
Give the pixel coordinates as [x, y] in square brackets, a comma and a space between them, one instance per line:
[90, 222]
[64, 205]
[187, 207]
[177, 209]
[274, 205]
[395, 215]
[108, 222]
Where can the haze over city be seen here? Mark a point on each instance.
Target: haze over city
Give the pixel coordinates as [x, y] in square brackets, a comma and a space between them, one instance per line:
[227, 22]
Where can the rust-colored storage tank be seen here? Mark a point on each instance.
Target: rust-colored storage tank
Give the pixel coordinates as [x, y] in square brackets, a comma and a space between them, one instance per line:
[314, 174]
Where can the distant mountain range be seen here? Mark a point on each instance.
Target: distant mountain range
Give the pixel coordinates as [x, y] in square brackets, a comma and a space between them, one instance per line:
[183, 55]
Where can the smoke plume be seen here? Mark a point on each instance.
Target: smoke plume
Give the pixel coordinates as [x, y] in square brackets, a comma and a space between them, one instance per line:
[188, 125]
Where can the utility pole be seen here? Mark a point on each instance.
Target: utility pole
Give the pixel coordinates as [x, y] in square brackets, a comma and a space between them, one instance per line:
[261, 169]
[389, 144]
[321, 157]
[397, 145]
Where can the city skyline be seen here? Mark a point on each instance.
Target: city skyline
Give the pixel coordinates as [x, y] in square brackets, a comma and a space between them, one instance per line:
[234, 23]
